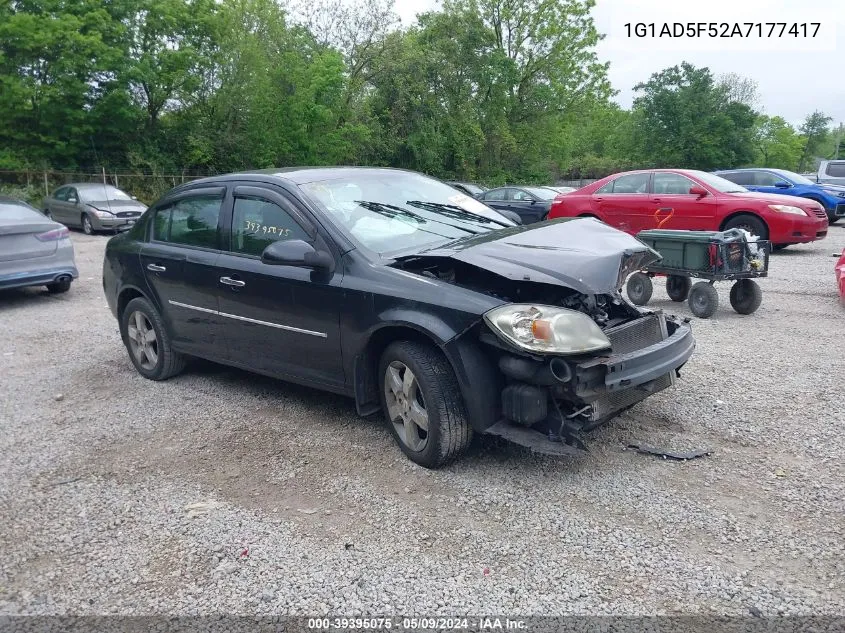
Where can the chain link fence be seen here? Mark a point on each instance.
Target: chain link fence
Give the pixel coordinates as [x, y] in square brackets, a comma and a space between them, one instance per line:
[34, 185]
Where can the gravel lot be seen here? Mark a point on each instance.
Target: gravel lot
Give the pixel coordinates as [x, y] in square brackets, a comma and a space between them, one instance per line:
[304, 508]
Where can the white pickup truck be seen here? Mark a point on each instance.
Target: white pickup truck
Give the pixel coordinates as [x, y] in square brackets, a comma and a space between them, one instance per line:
[831, 172]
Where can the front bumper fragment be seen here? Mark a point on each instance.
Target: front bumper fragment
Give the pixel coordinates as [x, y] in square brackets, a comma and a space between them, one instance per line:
[637, 367]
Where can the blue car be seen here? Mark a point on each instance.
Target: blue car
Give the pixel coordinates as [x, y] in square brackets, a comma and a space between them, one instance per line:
[831, 197]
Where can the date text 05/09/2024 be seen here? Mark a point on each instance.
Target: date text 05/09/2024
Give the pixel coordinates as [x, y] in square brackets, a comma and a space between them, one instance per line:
[745, 30]
[417, 624]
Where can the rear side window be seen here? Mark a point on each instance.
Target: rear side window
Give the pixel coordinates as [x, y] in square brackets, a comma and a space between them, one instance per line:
[190, 221]
[739, 177]
[496, 194]
[630, 183]
[257, 223]
[837, 170]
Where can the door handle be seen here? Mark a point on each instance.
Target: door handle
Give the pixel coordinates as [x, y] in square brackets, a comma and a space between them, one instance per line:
[156, 268]
[236, 283]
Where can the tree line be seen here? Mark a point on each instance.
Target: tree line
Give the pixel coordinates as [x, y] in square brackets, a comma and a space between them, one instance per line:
[489, 90]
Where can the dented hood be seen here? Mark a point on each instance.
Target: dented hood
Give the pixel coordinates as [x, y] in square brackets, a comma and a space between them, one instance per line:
[583, 254]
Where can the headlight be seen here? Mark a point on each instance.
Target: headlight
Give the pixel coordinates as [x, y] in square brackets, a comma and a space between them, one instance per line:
[785, 208]
[102, 214]
[547, 329]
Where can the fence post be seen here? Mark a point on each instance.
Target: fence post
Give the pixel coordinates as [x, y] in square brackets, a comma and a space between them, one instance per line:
[46, 186]
[116, 183]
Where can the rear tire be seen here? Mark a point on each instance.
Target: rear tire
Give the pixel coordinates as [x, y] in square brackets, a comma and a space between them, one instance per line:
[154, 357]
[746, 296]
[703, 300]
[87, 227]
[678, 287]
[750, 223]
[639, 288]
[429, 395]
[59, 287]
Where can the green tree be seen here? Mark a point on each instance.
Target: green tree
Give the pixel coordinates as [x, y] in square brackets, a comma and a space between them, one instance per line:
[688, 120]
[776, 143]
[816, 132]
[56, 60]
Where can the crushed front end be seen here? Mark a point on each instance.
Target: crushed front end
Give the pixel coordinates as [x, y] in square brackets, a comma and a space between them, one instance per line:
[558, 397]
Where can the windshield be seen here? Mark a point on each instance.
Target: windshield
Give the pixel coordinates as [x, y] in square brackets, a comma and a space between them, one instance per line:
[717, 182]
[797, 179]
[390, 212]
[541, 193]
[104, 192]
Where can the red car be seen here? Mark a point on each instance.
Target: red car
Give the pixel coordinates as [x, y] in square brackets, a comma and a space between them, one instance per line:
[840, 277]
[693, 200]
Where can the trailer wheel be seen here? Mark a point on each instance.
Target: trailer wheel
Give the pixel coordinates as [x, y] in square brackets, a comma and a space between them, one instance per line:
[639, 288]
[746, 296]
[677, 287]
[703, 300]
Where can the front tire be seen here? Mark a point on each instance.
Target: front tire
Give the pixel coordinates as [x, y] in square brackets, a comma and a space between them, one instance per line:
[148, 342]
[422, 404]
[750, 223]
[639, 288]
[87, 227]
[746, 296]
[703, 300]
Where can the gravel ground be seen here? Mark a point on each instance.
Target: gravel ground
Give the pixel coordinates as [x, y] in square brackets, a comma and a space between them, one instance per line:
[220, 491]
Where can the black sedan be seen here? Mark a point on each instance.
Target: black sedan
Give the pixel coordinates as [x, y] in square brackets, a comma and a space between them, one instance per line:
[394, 289]
[532, 204]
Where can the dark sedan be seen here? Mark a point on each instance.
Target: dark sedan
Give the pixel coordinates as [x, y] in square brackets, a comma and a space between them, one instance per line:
[394, 289]
[532, 204]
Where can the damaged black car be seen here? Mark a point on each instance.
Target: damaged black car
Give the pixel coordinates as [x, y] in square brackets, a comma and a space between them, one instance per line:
[397, 290]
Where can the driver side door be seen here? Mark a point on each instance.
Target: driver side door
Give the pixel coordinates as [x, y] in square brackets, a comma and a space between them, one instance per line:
[280, 320]
[527, 206]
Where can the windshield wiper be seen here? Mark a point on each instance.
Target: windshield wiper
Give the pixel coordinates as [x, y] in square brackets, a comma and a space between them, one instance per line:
[392, 211]
[452, 210]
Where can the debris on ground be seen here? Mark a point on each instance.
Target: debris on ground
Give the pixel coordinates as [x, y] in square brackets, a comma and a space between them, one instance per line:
[681, 456]
[200, 508]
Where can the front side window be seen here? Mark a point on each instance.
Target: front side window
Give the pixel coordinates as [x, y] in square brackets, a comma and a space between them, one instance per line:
[766, 179]
[521, 196]
[631, 183]
[190, 221]
[671, 184]
[61, 193]
[257, 223]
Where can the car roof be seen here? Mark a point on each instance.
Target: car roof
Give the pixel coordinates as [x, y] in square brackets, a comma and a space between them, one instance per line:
[301, 175]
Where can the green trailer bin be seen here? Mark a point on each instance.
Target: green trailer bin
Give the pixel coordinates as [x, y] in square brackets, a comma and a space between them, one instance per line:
[683, 250]
[708, 255]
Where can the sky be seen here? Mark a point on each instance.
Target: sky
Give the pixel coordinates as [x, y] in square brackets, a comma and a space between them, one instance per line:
[794, 75]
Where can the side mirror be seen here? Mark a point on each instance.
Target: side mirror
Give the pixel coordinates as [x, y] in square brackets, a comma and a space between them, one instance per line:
[297, 253]
[698, 191]
[532, 201]
[782, 184]
[73, 200]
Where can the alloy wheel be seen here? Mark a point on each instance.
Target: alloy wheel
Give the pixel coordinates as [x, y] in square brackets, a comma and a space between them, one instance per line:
[405, 406]
[142, 340]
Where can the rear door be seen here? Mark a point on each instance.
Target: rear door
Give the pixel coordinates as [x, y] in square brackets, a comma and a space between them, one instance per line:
[57, 204]
[179, 263]
[283, 320]
[674, 207]
[526, 205]
[624, 202]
